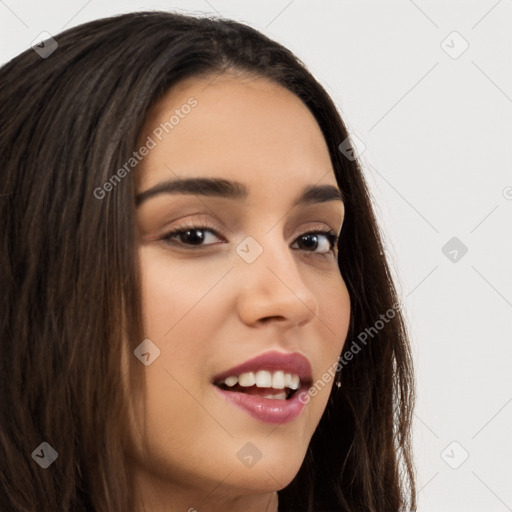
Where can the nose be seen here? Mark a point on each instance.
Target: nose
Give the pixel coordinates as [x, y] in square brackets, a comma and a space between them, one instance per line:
[273, 287]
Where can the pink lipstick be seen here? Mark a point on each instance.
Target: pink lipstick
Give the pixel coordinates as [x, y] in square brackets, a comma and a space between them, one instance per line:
[267, 387]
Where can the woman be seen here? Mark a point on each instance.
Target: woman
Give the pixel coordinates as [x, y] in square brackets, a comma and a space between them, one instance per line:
[197, 313]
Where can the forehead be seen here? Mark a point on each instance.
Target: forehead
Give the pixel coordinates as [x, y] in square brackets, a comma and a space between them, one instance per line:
[243, 129]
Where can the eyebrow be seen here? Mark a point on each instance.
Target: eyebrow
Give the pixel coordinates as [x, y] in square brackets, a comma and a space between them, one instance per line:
[234, 190]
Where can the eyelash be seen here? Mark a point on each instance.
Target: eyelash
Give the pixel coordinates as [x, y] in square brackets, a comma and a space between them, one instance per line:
[328, 233]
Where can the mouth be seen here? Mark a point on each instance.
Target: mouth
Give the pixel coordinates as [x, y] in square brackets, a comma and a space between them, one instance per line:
[271, 388]
[265, 384]
[265, 404]
[273, 372]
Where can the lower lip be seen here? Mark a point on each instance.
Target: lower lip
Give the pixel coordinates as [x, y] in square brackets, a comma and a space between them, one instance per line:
[266, 409]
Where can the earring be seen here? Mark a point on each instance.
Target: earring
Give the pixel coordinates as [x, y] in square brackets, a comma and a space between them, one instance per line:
[338, 379]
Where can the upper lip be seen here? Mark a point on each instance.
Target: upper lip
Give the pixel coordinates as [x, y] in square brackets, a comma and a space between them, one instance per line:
[272, 361]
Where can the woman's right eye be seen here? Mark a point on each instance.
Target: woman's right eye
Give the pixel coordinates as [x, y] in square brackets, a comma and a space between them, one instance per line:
[190, 235]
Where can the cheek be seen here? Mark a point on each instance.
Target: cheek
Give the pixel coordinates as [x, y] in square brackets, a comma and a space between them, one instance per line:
[185, 305]
[173, 292]
[334, 301]
[180, 310]
[333, 322]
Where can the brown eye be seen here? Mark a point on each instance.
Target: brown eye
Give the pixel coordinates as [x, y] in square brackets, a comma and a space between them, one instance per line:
[314, 238]
[190, 235]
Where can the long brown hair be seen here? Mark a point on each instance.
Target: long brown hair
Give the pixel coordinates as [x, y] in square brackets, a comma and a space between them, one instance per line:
[70, 281]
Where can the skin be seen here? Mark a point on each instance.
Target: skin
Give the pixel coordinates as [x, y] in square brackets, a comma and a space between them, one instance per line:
[208, 310]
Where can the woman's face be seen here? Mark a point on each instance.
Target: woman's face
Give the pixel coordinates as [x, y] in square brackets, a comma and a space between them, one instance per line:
[244, 285]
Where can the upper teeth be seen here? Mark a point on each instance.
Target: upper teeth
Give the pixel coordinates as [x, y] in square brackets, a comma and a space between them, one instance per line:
[265, 379]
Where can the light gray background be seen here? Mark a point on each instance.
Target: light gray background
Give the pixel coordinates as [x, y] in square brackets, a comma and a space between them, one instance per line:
[436, 129]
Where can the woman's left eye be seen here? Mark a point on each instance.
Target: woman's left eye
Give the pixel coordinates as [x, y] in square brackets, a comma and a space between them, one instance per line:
[313, 236]
[192, 236]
